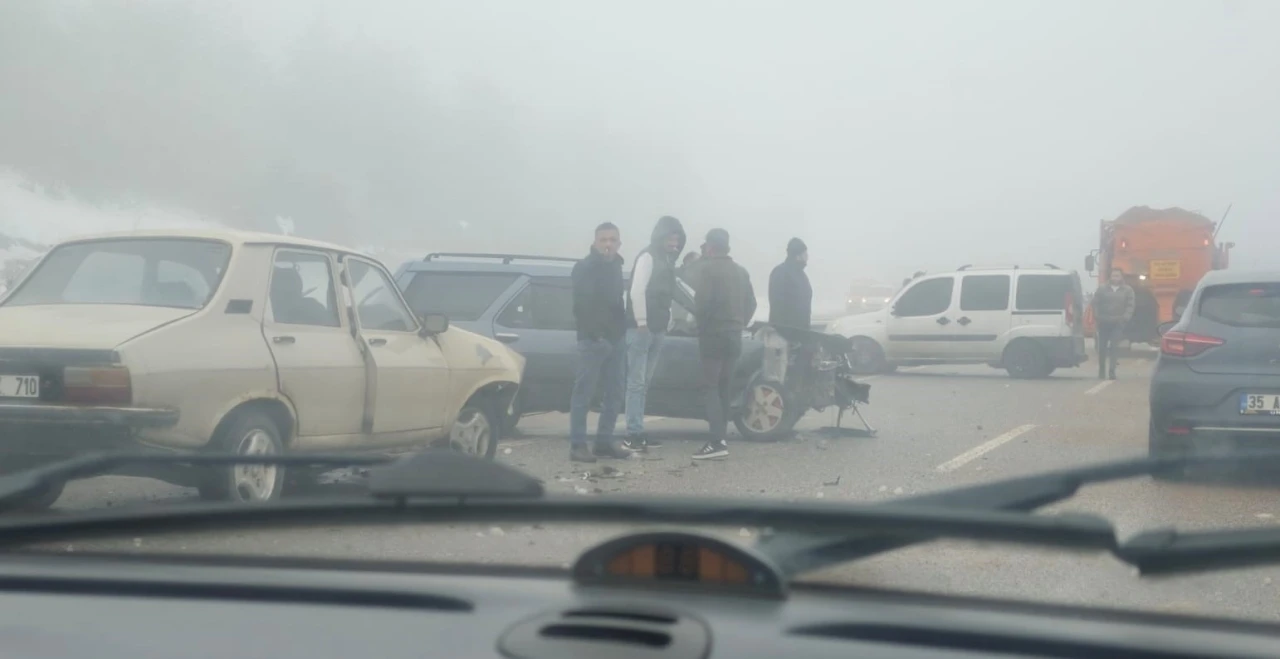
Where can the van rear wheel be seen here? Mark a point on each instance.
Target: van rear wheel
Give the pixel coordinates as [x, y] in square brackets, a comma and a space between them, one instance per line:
[1026, 360]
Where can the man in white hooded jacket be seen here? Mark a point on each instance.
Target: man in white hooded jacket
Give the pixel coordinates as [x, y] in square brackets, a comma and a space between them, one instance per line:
[649, 295]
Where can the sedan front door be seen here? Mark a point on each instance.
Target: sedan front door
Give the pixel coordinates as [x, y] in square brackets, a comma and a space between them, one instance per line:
[410, 374]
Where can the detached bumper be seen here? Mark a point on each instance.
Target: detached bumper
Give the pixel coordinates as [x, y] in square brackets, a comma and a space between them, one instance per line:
[77, 415]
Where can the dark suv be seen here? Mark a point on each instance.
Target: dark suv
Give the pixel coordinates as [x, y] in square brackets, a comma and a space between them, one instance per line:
[1217, 380]
[527, 302]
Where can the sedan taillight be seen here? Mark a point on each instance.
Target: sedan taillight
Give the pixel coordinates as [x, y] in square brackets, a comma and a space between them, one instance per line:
[1185, 344]
[97, 385]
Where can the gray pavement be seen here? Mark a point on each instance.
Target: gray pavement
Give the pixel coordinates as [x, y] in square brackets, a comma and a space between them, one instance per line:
[940, 427]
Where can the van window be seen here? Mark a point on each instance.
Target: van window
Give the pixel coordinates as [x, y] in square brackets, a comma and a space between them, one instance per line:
[984, 293]
[1242, 305]
[1042, 292]
[927, 298]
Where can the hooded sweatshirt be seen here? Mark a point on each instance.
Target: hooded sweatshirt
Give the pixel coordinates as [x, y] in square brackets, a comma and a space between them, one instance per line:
[653, 278]
[790, 293]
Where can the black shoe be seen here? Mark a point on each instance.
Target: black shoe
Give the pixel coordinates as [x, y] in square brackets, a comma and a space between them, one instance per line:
[652, 443]
[581, 453]
[636, 443]
[712, 450]
[613, 449]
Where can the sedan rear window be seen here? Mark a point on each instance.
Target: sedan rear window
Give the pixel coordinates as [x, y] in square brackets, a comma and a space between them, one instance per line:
[1242, 305]
[148, 272]
[458, 295]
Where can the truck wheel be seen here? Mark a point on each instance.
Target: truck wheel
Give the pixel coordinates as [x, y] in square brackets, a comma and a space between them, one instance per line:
[249, 432]
[768, 414]
[868, 357]
[1026, 360]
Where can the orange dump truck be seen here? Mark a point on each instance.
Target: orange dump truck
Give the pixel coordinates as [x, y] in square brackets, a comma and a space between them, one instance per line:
[1163, 253]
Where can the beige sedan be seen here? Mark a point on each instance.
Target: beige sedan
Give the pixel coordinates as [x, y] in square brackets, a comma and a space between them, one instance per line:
[234, 342]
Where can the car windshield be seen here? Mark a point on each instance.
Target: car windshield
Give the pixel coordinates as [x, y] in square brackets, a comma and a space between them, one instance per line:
[152, 272]
[827, 253]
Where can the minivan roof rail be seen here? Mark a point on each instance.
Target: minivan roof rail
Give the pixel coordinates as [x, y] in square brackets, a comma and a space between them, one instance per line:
[996, 267]
[505, 258]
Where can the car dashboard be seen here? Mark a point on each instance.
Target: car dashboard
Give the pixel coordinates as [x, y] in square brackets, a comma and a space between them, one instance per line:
[652, 595]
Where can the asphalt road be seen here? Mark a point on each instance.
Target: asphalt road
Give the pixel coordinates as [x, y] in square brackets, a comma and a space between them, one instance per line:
[940, 427]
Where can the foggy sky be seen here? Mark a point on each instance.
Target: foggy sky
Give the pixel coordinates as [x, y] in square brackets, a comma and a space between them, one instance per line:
[892, 136]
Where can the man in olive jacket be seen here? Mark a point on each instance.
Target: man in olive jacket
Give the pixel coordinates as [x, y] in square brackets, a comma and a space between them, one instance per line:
[1113, 305]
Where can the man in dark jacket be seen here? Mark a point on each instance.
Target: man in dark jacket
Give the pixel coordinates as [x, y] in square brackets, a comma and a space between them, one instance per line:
[724, 303]
[653, 284]
[790, 294]
[601, 318]
[1113, 306]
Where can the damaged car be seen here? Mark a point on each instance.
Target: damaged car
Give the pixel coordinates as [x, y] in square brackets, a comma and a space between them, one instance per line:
[527, 303]
[234, 342]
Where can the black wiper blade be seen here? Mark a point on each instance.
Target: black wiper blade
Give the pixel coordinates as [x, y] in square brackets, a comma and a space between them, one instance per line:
[431, 473]
[1167, 551]
[18, 487]
[796, 553]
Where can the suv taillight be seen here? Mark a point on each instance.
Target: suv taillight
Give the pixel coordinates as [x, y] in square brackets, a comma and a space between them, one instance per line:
[1070, 309]
[97, 385]
[1184, 344]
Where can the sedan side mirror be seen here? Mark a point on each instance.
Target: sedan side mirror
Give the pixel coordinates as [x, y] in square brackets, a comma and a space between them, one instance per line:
[433, 324]
[1162, 328]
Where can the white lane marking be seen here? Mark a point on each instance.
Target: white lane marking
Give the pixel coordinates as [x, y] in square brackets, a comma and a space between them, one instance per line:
[1098, 387]
[982, 449]
[649, 419]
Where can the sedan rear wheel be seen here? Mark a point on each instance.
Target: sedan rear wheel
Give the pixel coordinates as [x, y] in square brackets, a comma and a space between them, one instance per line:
[249, 433]
[768, 412]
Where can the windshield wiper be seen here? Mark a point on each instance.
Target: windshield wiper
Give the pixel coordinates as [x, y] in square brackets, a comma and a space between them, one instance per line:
[18, 487]
[1152, 552]
[447, 486]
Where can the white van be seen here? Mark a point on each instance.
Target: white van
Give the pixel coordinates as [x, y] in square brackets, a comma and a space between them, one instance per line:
[1027, 321]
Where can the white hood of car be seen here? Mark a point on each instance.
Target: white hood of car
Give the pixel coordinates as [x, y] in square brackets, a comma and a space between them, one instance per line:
[850, 324]
[87, 326]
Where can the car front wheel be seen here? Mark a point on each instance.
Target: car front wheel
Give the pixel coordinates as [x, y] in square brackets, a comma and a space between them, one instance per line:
[476, 430]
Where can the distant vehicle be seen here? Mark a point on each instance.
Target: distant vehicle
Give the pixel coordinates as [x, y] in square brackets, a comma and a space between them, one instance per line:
[1027, 321]
[868, 296]
[1164, 253]
[527, 302]
[236, 342]
[1217, 379]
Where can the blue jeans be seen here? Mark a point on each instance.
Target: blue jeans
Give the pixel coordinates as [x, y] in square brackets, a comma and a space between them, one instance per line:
[601, 364]
[642, 359]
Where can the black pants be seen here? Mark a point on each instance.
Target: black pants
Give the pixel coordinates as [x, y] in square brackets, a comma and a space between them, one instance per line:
[719, 352]
[1106, 338]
